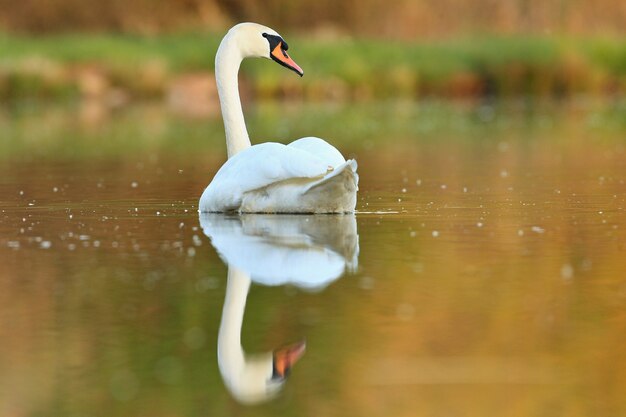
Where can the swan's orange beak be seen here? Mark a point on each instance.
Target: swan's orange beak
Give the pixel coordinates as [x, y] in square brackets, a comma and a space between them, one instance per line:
[286, 357]
[279, 54]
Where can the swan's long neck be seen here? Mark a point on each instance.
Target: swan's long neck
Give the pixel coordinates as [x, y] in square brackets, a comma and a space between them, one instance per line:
[227, 62]
[230, 353]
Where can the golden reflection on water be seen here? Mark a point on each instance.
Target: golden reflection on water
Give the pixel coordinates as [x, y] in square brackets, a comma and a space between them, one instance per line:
[495, 285]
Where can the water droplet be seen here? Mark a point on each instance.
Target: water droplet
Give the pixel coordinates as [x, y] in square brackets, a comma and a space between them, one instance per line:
[567, 271]
[208, 283]
[366, 283]
[405, 311]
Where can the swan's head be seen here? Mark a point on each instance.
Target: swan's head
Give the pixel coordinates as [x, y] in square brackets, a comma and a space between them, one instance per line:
[284, 358]
[260, 41]
[260, 377]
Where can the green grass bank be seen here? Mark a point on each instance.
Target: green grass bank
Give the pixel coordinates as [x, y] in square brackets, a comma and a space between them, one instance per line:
[75, 65]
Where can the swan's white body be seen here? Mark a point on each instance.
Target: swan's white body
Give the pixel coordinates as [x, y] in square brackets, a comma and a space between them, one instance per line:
[306, 176]
[309, 252]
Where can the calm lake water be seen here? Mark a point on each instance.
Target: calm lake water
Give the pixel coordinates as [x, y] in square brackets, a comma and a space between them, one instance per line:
[483, 275]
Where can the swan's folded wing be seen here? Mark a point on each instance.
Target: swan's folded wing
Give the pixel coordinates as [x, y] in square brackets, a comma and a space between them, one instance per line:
[321, 149]
[257, 167]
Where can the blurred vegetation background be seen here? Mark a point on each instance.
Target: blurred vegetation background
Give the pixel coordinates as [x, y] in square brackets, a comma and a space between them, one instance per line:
[372, 18]
[119, 50]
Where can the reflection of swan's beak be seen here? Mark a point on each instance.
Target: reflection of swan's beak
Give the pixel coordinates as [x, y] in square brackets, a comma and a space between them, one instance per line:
[286, 357]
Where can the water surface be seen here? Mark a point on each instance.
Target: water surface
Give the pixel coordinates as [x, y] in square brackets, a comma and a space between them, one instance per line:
[484, 273]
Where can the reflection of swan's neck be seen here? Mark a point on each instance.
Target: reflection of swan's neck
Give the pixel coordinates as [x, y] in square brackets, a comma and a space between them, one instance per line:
[229, 351]
[227, 62]
[248, 378]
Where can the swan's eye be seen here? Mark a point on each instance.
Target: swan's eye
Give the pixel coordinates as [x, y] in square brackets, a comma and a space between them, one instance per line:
[275, 41]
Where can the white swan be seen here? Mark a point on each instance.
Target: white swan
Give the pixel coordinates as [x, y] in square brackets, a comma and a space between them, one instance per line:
[306, 176]
[309, 252]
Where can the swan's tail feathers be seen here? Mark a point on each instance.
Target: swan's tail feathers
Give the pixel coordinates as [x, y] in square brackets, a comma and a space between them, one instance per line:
[345, 171]
[337, 190]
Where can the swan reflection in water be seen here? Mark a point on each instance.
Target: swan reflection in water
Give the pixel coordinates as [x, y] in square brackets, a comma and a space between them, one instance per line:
[309, 252]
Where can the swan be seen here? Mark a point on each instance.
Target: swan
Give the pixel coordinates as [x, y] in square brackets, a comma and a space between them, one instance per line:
[306, 176]
[309, 252]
